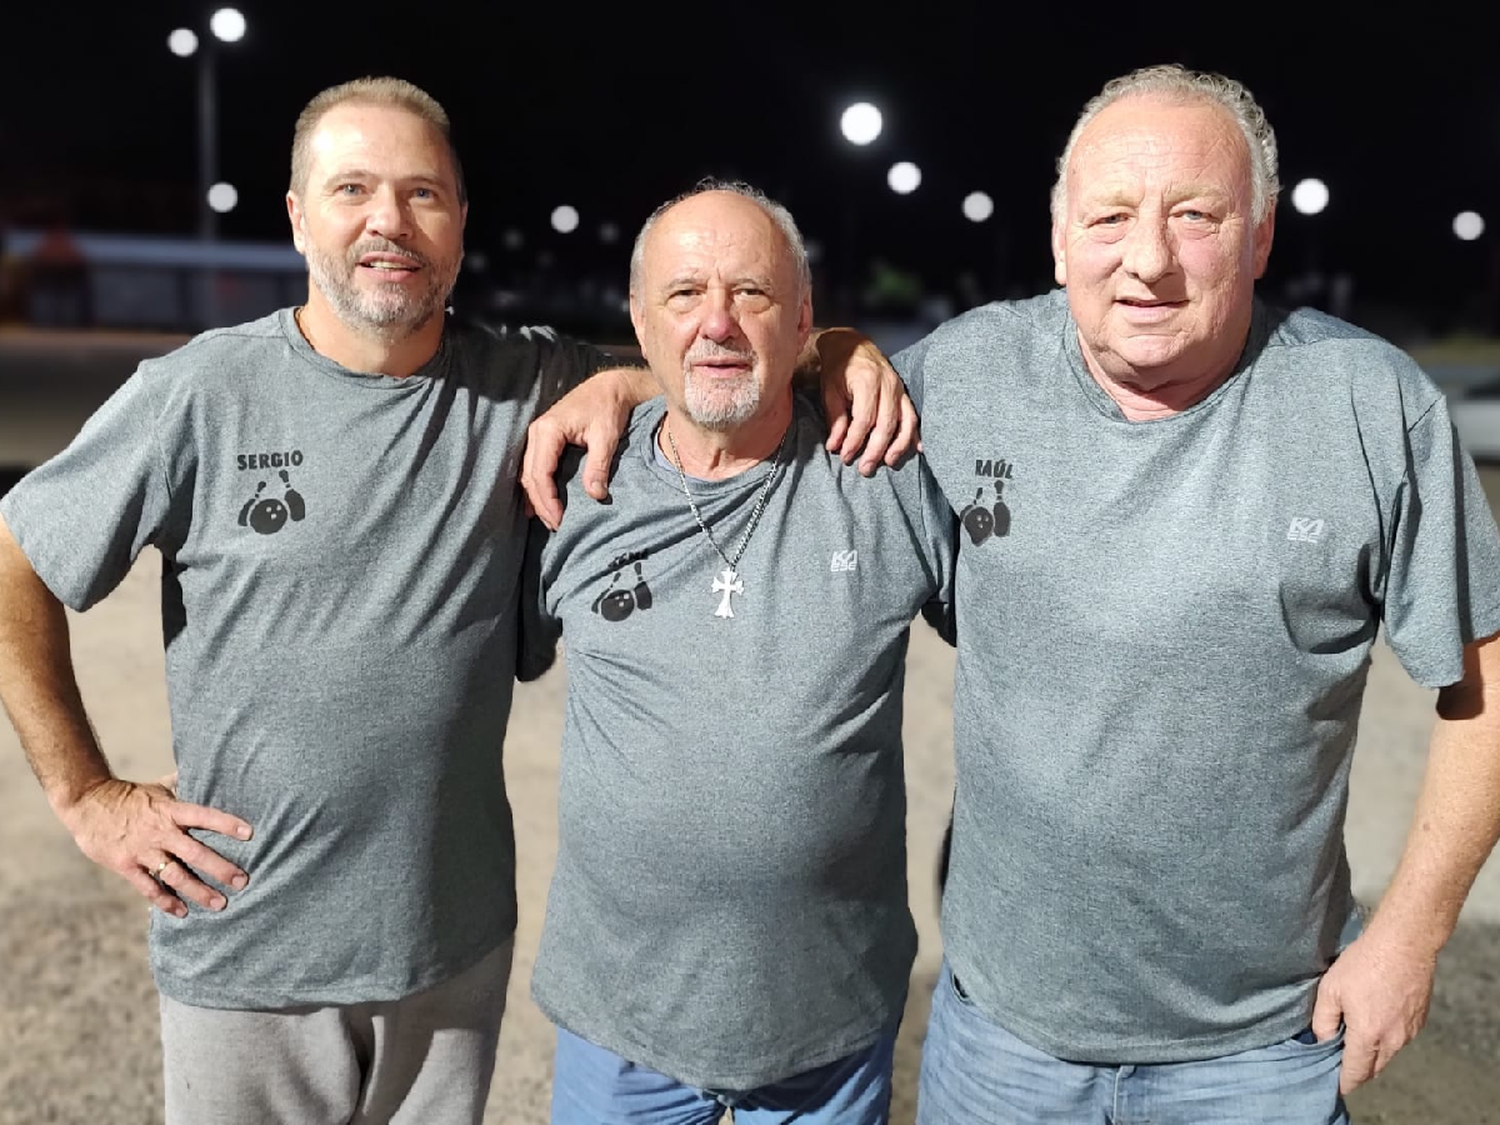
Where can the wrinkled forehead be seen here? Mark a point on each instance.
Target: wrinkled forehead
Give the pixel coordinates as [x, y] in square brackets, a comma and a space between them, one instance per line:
[716, 233]
[1157, 137]
[379, 138]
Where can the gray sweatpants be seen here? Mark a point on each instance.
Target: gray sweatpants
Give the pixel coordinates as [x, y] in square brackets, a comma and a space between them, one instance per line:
[425, 1059]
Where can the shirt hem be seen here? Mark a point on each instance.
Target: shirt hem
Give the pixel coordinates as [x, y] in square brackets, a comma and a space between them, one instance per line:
[342, 995]
[1151, 1052]
[765, 1074]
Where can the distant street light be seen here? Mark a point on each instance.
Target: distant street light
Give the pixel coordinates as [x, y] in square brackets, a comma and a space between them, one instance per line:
[978, 207]
[1310, 197]
[227, 24]
[565, 219]
[1468, 225]
[182, 42]
[222, 197]
[904, 177]
[860, 123]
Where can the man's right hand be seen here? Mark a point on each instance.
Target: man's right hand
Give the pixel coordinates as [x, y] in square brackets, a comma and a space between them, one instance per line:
[138, 831]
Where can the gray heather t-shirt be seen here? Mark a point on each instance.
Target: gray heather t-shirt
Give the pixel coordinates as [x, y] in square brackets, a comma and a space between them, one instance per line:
[341, 557]
[1164, 630]
[729, 903]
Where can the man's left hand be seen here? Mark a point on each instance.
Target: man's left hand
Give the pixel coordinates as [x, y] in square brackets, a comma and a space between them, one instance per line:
[1380, 992]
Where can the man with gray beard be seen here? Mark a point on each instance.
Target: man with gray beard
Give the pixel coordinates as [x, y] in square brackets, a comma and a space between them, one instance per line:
[728, 921]
[332, 490]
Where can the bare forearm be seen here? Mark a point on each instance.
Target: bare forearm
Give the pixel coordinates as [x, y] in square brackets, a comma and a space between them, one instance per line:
[637, 384]
[1454, 827]
[832, 347]
[37, 685]
[826, 348]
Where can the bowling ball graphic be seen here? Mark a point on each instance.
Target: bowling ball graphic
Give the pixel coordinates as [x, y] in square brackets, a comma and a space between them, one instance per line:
[978, 523]
[616, 605]
[268, 517]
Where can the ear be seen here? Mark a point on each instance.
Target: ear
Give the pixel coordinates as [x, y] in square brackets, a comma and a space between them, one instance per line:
[294, 213]
[637, 320]
[1059, 252]
[804, 319]
[463, 217]
[1265, 234]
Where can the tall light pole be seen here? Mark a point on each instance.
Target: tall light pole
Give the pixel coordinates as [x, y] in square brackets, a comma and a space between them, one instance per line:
[1310, 197]
[860, 124]
[227, 25]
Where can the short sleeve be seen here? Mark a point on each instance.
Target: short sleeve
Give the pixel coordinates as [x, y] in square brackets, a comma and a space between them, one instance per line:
[1443, 581]
[568, 362]
[910, 363]
[940, 538]
[82, 517]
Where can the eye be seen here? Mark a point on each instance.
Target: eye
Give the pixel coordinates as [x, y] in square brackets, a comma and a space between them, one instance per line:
[350, 189]
[1194, 214]
[424, 193]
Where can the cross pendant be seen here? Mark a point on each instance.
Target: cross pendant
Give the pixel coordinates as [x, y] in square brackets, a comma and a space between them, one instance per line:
[729, 583]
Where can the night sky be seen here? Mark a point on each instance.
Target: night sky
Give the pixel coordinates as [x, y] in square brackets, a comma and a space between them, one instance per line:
[554, 104]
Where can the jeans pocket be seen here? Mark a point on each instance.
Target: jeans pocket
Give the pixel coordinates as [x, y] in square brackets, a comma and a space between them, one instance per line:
[1307, 1040]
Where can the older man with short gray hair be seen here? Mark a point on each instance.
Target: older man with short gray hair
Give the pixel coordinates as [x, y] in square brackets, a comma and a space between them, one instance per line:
[1186, 517]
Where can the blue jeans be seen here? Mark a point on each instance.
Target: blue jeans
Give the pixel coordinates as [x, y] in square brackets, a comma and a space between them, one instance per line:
[592, 1086]
[976, 1073]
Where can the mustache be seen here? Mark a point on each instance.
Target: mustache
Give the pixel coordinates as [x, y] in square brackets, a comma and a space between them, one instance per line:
[710, 350]
[385, 246]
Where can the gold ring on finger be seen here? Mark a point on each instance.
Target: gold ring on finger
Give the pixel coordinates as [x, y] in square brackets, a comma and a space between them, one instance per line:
[162, 866]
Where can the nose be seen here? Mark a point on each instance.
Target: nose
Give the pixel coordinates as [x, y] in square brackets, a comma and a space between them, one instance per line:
[719, 323]
[1149, 253]
[388, 215]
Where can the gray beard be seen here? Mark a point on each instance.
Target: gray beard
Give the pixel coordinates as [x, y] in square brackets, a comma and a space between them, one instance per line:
[720, 408]
[390, 319]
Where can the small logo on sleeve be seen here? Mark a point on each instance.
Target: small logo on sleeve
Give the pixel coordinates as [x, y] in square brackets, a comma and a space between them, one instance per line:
[1305, 530]
[843, 561]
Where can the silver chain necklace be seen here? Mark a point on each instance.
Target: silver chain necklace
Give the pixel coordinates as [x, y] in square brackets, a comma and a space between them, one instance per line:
[728, 582]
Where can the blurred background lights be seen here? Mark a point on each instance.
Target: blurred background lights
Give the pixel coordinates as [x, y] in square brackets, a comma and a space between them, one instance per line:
[1310, 196]
[227, 24]
[565, 219]
[904, 177]
[860, 123]
[1468, 225]
[978, 207]
[222, 197]
[182, 42]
